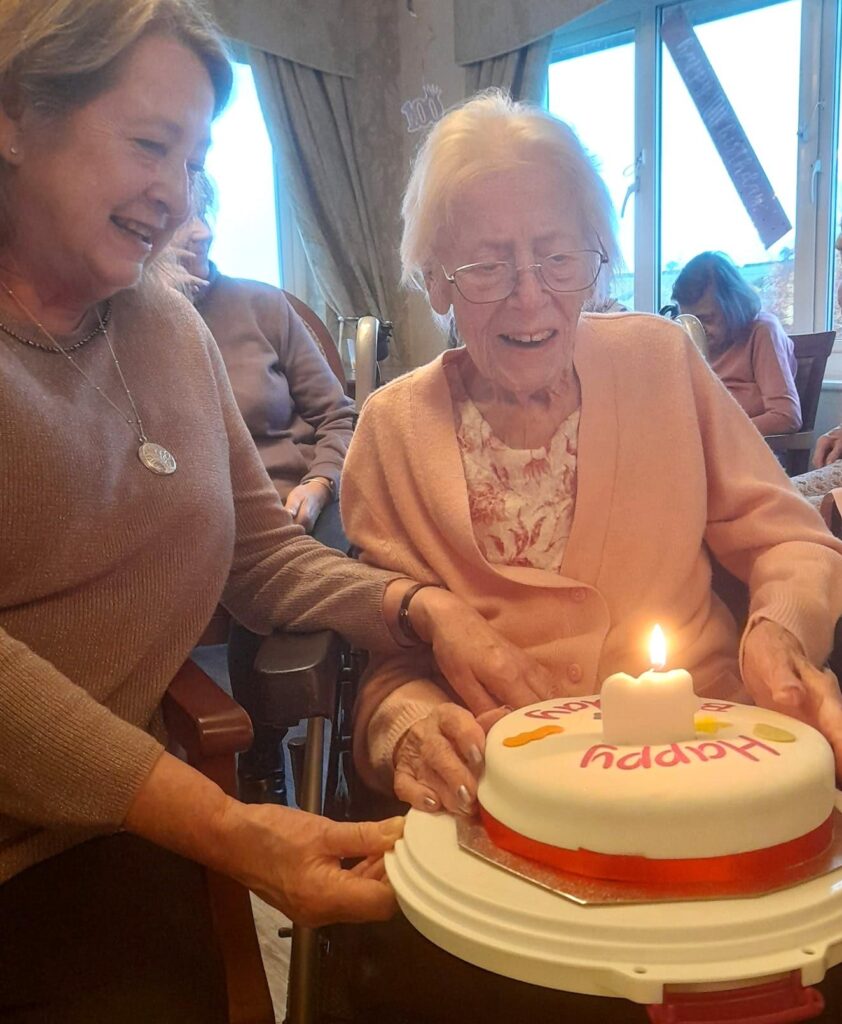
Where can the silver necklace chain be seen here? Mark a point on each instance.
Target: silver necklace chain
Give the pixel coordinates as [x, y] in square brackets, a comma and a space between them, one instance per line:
[154, 457]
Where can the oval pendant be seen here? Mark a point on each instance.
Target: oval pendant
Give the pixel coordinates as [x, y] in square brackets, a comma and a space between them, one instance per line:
[156, 458]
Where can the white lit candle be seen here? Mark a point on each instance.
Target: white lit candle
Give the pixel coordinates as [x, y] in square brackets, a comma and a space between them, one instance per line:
[654, 708]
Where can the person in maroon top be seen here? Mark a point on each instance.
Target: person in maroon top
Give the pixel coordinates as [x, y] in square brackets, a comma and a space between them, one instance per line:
[749, 350]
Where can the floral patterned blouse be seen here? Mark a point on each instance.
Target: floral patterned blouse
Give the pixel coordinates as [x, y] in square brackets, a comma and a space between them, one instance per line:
[521, 500]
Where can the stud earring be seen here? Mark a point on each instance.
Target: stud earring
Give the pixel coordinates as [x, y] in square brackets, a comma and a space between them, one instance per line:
[13, 150]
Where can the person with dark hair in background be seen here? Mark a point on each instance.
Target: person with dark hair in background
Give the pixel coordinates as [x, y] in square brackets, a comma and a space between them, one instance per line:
[749, 350]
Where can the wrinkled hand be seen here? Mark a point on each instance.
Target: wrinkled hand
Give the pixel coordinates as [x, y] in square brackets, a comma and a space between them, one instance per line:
[482, 667]
[306, 501]
[779, 676]
[438, 759]
[828, 448]
[175, 269]
[291, 859]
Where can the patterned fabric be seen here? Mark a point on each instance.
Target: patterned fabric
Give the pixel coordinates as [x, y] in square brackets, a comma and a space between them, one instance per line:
[521, 500]
[818, 482]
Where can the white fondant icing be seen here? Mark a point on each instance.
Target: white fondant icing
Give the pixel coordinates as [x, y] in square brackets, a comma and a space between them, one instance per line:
[728, 791]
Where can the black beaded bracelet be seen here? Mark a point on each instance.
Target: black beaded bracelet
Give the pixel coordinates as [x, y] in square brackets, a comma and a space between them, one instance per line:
[404, 622]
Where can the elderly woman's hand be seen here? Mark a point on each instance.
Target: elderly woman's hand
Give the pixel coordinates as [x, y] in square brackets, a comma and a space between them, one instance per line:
[306, 501]
[481, 666]
[438, 759]
[779, 676]
[828, 448]
[173, 267]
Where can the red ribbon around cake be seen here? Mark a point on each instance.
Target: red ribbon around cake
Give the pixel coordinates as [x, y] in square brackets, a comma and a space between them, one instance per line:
[767, 864]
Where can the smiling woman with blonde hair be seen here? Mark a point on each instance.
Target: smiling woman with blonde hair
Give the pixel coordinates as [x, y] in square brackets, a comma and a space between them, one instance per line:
[132, 501]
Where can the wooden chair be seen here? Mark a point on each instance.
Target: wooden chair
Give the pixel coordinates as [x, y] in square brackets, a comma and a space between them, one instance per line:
[324, 339]
[811, 353]
[211, 729]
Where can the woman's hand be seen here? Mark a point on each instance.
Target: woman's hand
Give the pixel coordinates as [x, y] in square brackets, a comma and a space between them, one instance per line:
[289, 858]
[779, 676]
[828, 448]
[174, 269]
[292, 860]
[306, 501]
[481, 666]
[438, 759]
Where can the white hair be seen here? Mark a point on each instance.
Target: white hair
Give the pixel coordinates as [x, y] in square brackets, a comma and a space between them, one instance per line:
[484, 135]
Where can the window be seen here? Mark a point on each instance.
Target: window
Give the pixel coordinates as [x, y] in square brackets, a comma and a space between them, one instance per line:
[700, 205]
[837, 220]
[594, 93]
[777, 63]
[241, 164]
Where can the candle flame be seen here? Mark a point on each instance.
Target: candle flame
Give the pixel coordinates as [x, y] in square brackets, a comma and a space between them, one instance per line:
[658, 648]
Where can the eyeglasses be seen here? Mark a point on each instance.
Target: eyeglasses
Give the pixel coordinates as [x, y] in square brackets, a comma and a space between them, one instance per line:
[560, 272]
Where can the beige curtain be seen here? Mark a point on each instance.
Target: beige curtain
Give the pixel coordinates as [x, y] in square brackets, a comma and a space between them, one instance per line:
[522, 72]
[309, 119]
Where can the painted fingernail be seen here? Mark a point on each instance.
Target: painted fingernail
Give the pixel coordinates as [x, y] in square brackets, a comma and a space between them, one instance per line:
[430, 802]
[474, 756]
[466, 801]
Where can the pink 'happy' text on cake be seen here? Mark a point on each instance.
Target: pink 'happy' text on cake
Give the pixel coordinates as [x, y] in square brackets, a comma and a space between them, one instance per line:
[570, 707]
[603, 755]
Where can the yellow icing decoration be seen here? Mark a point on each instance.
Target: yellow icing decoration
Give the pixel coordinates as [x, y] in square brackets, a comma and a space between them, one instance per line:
[710, 725]
[771, 732]
[522, 738]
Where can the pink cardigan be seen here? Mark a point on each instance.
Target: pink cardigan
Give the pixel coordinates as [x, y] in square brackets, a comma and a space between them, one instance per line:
[760, 374]
[668, 464]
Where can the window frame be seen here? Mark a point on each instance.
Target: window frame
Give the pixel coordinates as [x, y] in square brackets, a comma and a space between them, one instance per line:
[821, 55]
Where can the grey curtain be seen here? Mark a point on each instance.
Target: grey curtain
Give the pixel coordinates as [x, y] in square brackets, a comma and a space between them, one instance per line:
[521, 72]
[488, 28]
[309, 119]
[319, 33]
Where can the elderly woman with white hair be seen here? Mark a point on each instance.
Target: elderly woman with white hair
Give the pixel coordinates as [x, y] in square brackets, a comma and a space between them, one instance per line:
[568, 474]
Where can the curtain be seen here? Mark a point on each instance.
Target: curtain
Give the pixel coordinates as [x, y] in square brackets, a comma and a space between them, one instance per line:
[318, 33]
[522, 72]
[309, 120]
[488, 28]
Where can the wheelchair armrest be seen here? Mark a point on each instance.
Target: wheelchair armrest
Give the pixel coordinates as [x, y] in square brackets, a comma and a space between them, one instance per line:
[295, 676]
[203, 719]
[365, 345]
[790, 442]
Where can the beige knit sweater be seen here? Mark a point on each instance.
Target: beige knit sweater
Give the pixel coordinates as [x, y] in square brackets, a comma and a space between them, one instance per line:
[109, 573]
[668, 467]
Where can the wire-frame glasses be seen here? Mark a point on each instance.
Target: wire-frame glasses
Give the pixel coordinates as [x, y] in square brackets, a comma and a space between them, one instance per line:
[496, 280]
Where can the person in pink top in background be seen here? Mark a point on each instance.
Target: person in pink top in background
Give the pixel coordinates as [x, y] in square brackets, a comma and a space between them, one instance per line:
[749, 350]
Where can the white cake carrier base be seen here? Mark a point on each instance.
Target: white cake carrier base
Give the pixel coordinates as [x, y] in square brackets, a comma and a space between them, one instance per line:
[641, 952]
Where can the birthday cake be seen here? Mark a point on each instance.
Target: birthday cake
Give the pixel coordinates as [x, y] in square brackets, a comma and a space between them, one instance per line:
[752, 791]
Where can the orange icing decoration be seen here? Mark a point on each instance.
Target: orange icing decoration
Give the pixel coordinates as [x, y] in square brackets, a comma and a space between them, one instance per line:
[773, 733]
[710, 725]
[522, 738]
